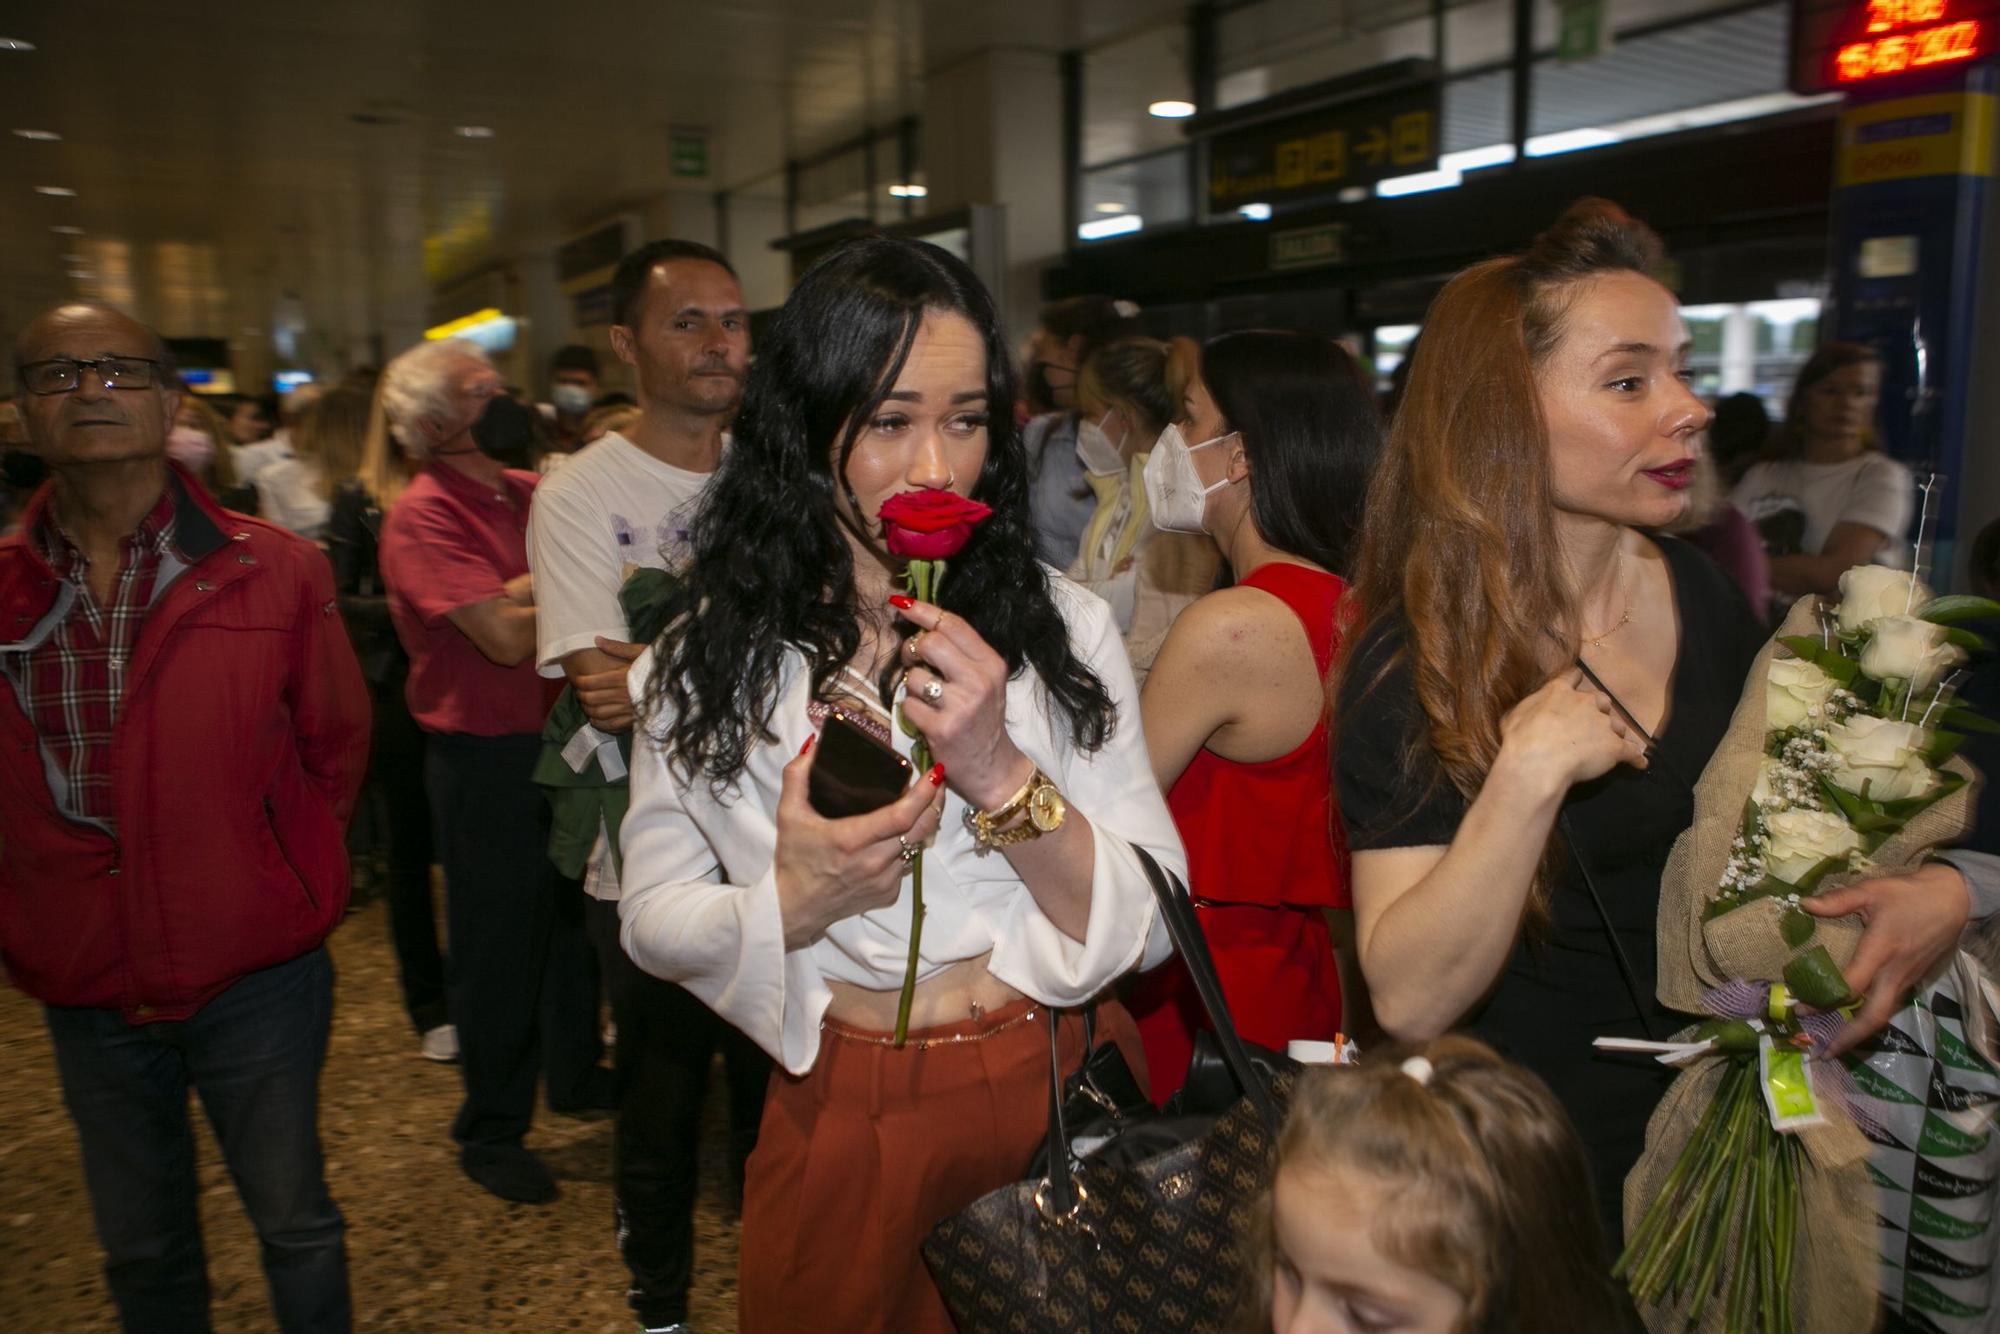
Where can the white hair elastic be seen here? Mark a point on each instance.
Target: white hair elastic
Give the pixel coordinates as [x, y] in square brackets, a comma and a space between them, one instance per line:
[1419, 1069]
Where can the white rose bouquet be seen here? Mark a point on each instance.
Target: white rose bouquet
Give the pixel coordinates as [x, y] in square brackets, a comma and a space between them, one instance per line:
[1849, 747]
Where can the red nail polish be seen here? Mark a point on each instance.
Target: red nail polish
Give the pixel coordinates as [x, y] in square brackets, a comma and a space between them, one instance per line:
[809, 744]
[936, 775]
[901, 603]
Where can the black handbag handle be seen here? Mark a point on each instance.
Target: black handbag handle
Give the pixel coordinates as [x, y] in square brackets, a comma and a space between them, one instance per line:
[1184, 929]
[1061, 1194]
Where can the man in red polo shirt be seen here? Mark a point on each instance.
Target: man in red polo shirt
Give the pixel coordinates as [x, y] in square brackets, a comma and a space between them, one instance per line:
[183, 729]
[455, 563]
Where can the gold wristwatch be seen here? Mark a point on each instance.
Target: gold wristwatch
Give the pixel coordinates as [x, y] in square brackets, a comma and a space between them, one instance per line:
[1037, 799]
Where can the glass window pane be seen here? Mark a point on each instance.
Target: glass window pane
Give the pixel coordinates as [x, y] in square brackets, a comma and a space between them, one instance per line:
[1147, 192]
[1724, 68]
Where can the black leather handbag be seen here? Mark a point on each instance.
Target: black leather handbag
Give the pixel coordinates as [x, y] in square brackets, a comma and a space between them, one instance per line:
[1141, 1231]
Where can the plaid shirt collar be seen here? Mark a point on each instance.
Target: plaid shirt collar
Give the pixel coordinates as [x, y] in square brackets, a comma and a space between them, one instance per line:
[154, 534]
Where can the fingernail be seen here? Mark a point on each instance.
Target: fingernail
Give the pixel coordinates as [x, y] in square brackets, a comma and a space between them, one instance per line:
[901, 603]
[809, 744]
[936, 775]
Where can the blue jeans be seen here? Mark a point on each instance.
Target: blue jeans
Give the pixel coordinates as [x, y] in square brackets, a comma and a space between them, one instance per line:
[253, 1054]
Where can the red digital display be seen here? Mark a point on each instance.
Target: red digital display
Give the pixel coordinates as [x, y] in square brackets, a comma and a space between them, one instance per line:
[1845, 43]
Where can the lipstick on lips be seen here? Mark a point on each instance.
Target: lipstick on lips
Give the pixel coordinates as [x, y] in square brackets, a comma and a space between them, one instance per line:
[1675, 476]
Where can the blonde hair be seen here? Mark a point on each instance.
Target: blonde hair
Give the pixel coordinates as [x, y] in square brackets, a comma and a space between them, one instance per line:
[600, 422]
[1487, 1187]
[386, 468]
[222, 466]
[332, 434]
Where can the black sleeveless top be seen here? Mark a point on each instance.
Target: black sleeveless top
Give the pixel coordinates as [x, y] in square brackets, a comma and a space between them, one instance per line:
[1558, 993]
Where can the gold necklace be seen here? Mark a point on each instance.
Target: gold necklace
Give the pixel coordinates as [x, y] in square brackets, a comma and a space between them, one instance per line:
[1597, 641]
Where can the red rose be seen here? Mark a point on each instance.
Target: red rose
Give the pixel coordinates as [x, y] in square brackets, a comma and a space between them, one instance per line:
[931, 524]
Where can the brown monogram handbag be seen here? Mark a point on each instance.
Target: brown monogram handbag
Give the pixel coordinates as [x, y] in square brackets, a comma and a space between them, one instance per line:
[1118, 1242]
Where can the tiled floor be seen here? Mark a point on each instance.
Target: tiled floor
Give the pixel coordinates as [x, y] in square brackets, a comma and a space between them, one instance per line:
[427, 1249]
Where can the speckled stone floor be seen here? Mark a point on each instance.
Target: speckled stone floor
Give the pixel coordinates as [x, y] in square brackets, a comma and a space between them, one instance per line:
[428, 1250]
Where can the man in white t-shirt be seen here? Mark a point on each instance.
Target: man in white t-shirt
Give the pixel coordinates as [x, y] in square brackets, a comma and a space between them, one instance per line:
[621, 504]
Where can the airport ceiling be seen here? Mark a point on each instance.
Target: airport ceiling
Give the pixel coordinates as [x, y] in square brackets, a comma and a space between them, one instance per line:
[228, 158]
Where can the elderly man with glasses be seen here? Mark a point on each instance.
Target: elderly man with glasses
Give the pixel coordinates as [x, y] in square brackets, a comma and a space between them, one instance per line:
[183, 729]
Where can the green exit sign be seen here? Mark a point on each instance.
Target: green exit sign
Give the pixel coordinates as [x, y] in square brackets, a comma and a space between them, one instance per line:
[687, 152]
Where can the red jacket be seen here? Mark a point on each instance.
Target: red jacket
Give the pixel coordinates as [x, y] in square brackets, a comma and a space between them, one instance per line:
[237, 753]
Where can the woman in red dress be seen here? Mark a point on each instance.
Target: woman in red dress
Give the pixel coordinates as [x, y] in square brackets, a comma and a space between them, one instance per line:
[1270, 457]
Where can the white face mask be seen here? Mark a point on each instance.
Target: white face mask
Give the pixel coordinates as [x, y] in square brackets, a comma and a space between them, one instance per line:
[1174, 494]
[1099, 452]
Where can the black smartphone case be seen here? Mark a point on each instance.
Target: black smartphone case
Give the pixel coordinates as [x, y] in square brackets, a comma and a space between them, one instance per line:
[852, 772]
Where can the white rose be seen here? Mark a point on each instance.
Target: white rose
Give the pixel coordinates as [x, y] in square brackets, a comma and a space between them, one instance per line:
[1870, 592]
[1795, 687]
[1882, 753]
[1904, 648]
[1762, 791]
[1802, 839]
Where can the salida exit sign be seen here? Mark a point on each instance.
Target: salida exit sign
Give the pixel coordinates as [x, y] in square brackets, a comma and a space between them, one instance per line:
[1839, 44]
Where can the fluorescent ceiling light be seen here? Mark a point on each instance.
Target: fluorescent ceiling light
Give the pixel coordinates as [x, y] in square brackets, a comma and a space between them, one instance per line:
[15, 44]
[1354, 194]
[1108, 207]
[1569, 141]
[1256, 212]
[1472, 159]
[1787, 310]
[1099, 228]
[474, 131]
[1417, 184]
[1171, 109]
[909, 191]
[39, 136]
[56, 191]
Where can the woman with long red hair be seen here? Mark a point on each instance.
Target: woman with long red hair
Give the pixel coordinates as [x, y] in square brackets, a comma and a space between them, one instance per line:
[1535, 683]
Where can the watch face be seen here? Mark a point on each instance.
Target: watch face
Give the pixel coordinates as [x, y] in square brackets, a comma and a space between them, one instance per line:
[1046, 808]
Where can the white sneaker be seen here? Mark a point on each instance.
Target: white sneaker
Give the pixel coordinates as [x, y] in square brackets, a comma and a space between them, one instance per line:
[441, 1044]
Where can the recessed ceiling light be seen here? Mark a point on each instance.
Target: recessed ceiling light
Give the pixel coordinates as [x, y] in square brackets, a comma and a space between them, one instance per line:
[1171, 109]
[39, 136]
[67, 230]
[474, 131]
[15, 44]
[56, 191]
[909, 191]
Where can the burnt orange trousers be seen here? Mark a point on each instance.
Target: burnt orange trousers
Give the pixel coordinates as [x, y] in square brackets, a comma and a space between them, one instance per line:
[860, 1157]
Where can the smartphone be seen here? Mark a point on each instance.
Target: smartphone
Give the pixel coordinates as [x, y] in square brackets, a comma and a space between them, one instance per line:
[852, 772]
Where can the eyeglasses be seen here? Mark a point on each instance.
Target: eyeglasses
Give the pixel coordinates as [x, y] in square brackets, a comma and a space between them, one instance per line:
[60, 375]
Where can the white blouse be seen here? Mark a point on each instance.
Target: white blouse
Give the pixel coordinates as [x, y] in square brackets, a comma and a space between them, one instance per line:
[700, 902]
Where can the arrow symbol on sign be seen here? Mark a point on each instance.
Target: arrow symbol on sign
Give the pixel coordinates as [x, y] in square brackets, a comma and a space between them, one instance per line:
[1374, 147]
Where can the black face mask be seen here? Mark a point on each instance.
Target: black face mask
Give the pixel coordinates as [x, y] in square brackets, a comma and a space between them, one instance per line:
[21, 470]
[505, 431]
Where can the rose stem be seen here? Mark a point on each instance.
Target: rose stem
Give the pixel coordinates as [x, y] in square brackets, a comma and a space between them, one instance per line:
[918, 580]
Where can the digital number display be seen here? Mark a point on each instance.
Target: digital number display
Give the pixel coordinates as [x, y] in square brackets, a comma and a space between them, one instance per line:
[1840, 44]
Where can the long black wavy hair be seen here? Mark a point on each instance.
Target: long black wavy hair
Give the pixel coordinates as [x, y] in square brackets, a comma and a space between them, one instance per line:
[771, 570]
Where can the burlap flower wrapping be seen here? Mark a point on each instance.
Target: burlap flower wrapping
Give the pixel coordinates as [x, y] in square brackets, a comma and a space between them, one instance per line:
[1835, 1282]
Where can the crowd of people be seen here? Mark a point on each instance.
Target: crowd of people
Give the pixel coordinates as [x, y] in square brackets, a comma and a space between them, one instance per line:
[1453, 666]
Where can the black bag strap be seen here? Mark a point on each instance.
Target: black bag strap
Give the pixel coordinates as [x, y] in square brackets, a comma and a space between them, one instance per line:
[1060, 1197]
[1184, 929]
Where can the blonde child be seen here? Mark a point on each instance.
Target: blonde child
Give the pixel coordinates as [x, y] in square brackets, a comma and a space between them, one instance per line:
[1433, 1189]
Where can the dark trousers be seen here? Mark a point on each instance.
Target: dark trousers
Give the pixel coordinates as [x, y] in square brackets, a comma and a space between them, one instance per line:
[397, 771]
[666, 1043]
[510, 944]
[253, 1054]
